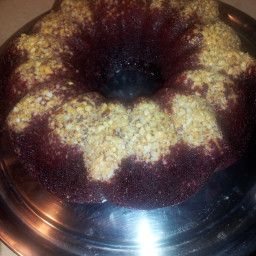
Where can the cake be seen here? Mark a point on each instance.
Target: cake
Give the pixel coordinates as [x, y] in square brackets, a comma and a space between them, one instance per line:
[133, 102]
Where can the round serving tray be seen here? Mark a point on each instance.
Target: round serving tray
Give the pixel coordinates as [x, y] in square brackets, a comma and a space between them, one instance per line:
[219, 220]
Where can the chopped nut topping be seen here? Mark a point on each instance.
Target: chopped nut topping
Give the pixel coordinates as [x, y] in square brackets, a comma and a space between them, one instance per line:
[210, 85]
[38, 71]
[58, 24]
[37, 103]
[41, 47]
[206, 10]
[218, 35]
[109, 133]
[78, 10]
[195, 121]
[233, 63]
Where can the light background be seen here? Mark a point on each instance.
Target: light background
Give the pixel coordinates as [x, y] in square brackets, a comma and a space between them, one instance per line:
[15, 13]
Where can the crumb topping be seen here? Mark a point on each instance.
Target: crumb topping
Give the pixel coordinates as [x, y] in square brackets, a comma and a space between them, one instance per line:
[36, 103]
[218, 35]
[57, 24]
[195, 121]
[43, 59]
[212, 86]
[157, 4]
[41, 47]
[38, 71]
[206, 10]
[230, 62]
[112, 10]
[78, 10]
[221, 50]
[178, 4]
[109, 133]
[151, 132]
[160, 4]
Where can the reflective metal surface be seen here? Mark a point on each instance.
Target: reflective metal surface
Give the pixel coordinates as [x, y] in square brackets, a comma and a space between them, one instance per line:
[219, 220]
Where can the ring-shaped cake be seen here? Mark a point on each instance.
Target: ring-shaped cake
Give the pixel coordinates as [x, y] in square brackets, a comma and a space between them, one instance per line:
[134, 102]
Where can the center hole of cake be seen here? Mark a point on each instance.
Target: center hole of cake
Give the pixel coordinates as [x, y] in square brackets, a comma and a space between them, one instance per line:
[128, 84]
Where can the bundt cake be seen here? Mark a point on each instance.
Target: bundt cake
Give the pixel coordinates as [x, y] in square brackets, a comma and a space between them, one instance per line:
[137, 102]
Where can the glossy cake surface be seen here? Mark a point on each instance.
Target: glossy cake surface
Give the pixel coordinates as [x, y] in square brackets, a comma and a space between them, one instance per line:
[135, 102]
